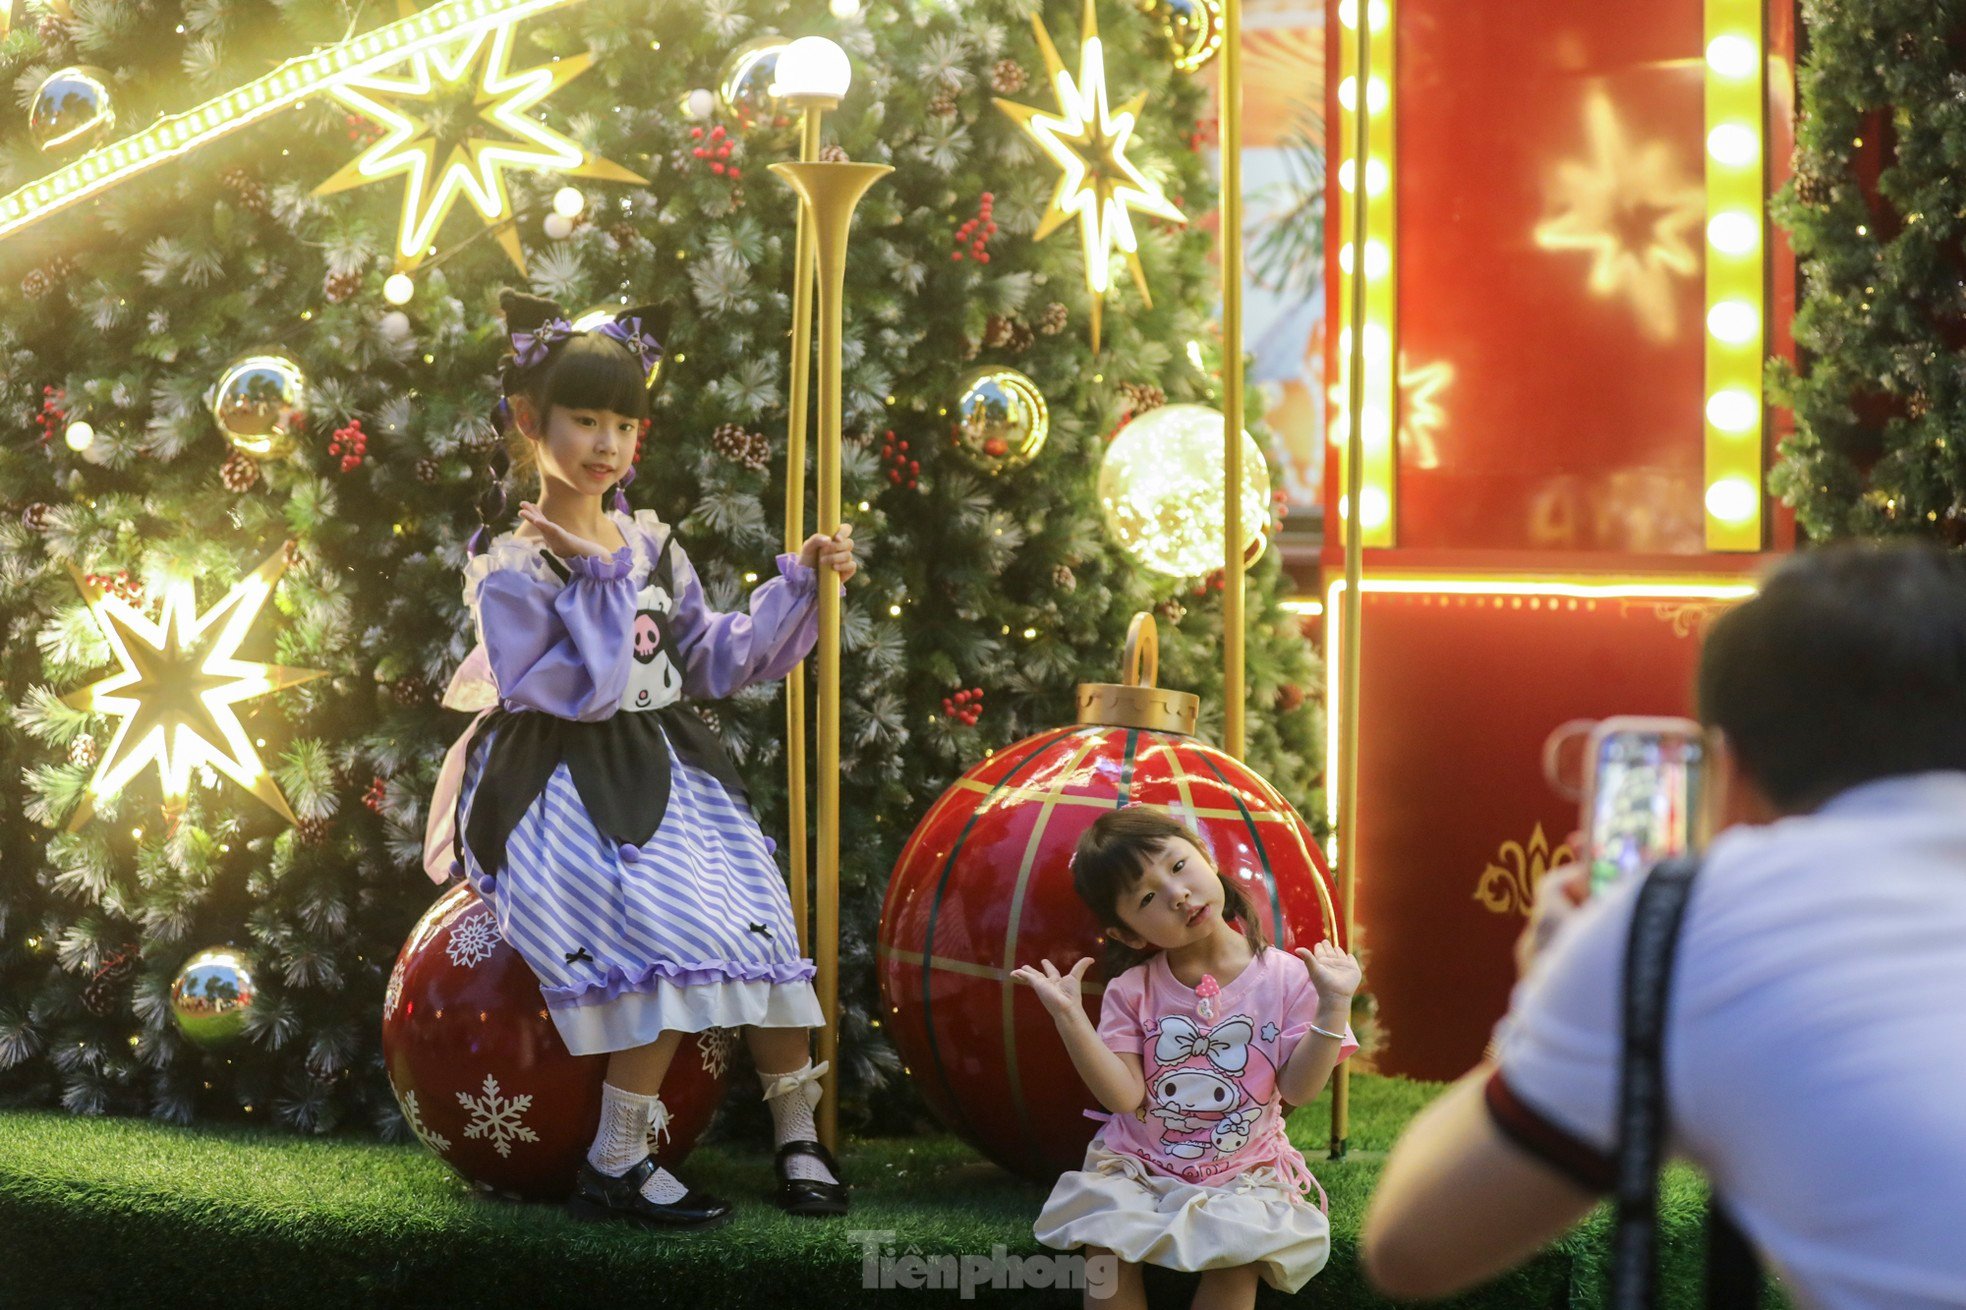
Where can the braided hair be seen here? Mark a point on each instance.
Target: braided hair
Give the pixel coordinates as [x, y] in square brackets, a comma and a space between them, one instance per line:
[584, 370]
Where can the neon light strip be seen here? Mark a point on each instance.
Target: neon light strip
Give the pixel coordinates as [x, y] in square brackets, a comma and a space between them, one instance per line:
[1735, 146]
[1380, 338]
[1575, 587]
[301, 76]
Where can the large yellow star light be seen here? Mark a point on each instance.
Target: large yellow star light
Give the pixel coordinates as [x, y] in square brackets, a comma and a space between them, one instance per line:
[176, 688]
[1098, 184]
[472, 166]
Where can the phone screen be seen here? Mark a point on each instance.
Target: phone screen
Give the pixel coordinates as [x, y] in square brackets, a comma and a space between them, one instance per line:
[1644, 801]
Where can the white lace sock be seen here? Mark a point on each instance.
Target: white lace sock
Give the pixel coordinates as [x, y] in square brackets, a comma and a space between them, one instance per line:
[630, 1126]
[791, 1097]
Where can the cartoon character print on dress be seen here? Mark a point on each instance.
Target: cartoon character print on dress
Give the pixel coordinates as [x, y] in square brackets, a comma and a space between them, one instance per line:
[653, 680]
[1197, 1091]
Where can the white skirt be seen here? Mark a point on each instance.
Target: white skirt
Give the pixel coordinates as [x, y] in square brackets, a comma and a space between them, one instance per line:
[1114, 1201]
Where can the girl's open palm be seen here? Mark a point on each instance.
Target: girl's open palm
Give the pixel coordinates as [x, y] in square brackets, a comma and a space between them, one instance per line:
[1333, 971]
[561, 542]
[1058, 991]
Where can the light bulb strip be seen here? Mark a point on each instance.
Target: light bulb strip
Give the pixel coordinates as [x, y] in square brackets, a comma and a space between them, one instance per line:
[1645, 587]
[1735, 146]
[292, 81]
[1380, 264]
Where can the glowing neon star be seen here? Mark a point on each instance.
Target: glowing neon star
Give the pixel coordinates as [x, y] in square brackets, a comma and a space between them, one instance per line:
[175, 691]
[1098, 184]
[470, 68]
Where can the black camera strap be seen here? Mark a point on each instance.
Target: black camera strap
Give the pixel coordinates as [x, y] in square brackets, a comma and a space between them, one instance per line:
[1733, 1270]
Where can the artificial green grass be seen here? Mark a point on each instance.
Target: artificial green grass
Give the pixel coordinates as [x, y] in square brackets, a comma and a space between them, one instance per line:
[122, 1212]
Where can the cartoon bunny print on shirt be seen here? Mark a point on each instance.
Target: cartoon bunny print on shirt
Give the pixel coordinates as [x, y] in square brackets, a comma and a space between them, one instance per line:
[1197, 1092]
[652, 678]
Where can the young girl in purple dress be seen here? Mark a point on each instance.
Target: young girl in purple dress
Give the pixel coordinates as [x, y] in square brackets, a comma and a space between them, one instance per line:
[589, 804]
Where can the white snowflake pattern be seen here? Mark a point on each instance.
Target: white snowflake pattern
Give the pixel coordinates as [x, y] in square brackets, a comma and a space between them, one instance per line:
[414, 1117]
[497, 1116]
[473, 940]
[715, 1045]
[393, 994]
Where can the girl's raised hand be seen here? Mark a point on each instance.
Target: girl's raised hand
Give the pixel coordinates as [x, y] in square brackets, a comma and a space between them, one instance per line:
[835, 552]
[558, 539]
[1333, 972]
[1058, 991]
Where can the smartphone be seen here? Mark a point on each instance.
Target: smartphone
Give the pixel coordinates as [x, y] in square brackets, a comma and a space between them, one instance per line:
[1645, 795]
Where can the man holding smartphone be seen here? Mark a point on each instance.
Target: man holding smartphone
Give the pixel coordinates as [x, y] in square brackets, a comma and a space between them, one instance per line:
[1816, 1038]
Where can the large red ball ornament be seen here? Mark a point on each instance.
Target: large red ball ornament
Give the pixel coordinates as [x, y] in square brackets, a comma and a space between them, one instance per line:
[482, 1074]
[984, 886]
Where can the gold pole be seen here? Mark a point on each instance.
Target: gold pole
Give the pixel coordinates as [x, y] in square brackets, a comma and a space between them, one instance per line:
[1233, 691]
[1352, 609]
[795, 528]
[829, 192]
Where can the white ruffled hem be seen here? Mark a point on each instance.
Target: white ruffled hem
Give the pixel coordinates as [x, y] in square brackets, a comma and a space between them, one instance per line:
[1147, 1217]
[637, 1018]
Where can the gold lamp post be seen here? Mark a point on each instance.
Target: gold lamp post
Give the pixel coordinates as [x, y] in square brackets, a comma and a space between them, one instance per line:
[828, 194]
[812, 74]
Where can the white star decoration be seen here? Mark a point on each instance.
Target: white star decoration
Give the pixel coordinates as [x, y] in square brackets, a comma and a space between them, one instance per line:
[473, 166]
[1098, 184]
[175, 691]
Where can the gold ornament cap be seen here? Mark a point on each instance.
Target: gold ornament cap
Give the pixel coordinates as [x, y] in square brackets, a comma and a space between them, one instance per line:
[1137, 702]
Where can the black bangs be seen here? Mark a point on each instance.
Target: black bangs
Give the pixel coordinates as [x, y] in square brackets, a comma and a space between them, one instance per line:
[591, 371]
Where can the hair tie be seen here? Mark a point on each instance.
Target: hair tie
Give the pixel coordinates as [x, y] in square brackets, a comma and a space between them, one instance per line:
[620, 499]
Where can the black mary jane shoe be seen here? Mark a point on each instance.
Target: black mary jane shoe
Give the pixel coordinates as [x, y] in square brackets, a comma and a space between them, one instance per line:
[602, 1196]
[808, 1196]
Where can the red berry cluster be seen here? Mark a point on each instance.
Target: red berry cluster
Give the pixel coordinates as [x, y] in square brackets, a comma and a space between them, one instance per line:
[1216, 581]
[52, 418]
[1207, 132]
[361, 130]
[351, 443]
[714, 148]
[966, 707]
[902, 470]
[377, 793]
[1279, 511]
[118, 584]
[977, 232]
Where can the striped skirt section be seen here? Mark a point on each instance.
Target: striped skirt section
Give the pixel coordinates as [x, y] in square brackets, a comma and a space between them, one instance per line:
[691, 930]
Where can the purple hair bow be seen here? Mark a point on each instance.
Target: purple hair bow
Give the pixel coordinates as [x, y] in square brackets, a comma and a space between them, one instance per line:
[529, 348]
[629, 333]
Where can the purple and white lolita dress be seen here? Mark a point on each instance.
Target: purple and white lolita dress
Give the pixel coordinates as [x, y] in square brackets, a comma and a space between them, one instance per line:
[597, 814]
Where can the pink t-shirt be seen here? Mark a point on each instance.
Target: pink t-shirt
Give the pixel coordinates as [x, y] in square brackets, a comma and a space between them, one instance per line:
[1212, 1108]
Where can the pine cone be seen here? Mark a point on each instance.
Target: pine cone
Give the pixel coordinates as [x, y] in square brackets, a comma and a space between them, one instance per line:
[731, 441]
[340, 286]
[313, 832]
[36, 284]
[1008, 77]
[1172, 610]
[757, 456]
[711, 719]
[971, 348]
[1952, 525]
[52, 31]
[1919, 403]
[239, 473]
[1054, 319]
[1142, 396]
[246, 190]
[943, 105]
[1021, 335]
[410, 691]
[1908, 46]
[1064, 579]
[35, 517]
[290, 552]
[1811, 189]
[59, 269]
[997, 331]
[834, 153]
[82, 750]
[428, 470]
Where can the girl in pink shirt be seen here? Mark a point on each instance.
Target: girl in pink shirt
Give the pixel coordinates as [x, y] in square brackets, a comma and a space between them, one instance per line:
[1205, 1033]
